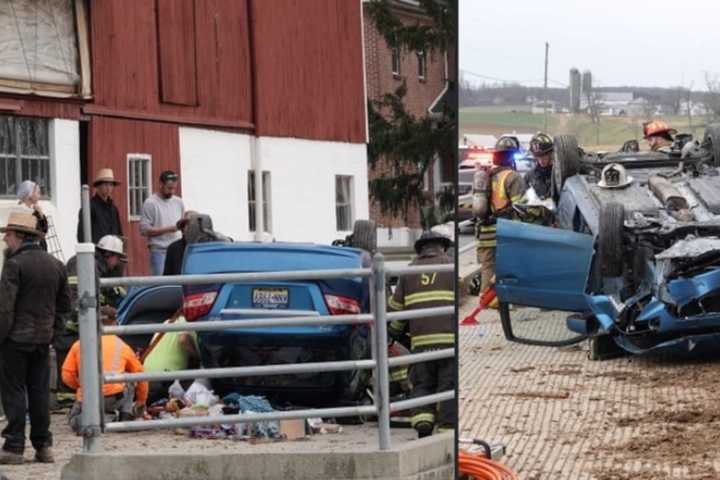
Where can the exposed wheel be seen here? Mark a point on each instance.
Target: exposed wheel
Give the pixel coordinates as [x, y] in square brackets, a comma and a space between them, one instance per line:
[610, 240]
[364, 235]
[711, 140]
[566, 163]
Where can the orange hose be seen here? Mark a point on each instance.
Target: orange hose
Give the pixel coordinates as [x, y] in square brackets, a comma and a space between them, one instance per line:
[478, 467]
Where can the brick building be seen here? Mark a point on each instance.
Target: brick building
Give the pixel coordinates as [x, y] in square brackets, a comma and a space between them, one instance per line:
[426, 75]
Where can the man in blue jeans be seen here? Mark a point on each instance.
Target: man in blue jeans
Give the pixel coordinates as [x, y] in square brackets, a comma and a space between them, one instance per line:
[159, 219]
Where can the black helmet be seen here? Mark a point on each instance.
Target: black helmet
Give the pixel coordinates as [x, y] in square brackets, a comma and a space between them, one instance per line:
[507, 144]
[429, 236]
[541, 144]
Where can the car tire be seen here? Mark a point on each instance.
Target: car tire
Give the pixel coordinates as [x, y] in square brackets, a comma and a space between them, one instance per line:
[566, 163]
[364, 235]
[610, 240]
[712, 140]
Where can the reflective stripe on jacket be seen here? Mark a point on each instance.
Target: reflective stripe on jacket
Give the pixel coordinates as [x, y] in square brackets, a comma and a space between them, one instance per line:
[508, 187]
[118, 357]
[425, 290]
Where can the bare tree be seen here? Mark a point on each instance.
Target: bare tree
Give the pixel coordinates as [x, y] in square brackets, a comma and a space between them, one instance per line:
[712, 97]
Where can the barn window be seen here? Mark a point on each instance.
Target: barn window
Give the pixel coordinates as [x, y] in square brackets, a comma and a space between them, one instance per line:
[139, 166]
[266, 201]
[422, 64]
[24, 154]
[44, 47]
[343, 203]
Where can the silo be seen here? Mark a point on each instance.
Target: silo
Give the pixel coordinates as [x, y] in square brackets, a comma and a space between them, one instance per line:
[575, 90]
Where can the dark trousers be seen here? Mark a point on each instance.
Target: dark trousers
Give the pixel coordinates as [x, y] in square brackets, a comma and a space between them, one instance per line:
[25, 374]
[434, 377]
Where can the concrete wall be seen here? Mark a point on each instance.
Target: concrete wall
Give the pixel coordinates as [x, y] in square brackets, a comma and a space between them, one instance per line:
[214, 169]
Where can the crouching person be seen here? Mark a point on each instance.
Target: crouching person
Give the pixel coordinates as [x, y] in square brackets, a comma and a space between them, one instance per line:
[421, 291]
[123, 401]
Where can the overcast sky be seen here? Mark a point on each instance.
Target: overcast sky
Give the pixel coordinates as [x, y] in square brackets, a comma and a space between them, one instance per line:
[623, 42]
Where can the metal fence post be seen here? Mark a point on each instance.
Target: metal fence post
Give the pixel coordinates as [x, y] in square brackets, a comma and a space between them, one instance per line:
[87, 224]
[89, 358]
[382, 395]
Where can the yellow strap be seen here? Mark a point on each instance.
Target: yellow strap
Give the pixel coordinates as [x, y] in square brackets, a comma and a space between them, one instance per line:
[73, 280]
[432, 340]
[115, 365]
[487, 243]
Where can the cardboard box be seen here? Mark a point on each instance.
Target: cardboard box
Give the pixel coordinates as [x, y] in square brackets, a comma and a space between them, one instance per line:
[292, 429]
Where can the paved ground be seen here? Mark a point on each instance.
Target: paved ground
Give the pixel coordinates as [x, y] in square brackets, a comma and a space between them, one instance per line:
[355, 438]
[565, 417]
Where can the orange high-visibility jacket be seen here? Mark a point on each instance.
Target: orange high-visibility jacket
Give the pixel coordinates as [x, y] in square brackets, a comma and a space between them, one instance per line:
[118, 357]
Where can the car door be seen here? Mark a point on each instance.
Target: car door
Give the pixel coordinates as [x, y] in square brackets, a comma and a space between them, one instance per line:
[541, 266]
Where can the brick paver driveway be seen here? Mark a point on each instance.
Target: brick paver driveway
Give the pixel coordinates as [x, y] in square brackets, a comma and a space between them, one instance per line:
[563, 416]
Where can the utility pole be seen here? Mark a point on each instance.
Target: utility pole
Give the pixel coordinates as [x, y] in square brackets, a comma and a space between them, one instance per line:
[545, 100]
[689, 109]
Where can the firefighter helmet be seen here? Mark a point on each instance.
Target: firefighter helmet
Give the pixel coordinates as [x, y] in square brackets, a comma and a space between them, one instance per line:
[505, 150]
[541, 144]
[614, 175]
[430, 236]
[657, 127]
[111, 244]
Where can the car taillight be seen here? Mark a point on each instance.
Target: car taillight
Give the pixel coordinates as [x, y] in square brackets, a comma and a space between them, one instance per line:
[341, 305]
[195, 305]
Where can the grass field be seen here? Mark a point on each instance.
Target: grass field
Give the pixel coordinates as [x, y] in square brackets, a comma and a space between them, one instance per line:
[610, 133]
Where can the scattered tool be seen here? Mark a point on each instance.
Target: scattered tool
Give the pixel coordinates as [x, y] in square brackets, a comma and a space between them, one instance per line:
[485, 299]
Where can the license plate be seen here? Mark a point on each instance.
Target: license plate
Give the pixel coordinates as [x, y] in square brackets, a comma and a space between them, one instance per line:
[272, 298]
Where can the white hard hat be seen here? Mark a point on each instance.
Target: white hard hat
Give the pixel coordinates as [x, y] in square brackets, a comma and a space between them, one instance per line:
[111, 244]
[614, 175]
[445, 230]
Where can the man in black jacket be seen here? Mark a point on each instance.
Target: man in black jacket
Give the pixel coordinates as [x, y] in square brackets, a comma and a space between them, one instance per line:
[34, 298]
[104, 215]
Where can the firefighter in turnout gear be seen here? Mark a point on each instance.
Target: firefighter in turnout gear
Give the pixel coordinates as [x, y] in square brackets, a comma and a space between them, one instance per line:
[540, 177]
[494, 193]
[109, 262]
[427, 290]
[659, 135]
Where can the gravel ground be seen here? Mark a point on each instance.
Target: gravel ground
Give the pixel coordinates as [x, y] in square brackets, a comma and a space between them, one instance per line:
[356, 438]
[563, 416]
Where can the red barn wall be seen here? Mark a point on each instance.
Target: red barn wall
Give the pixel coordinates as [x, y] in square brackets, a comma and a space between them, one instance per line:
[309, 69]
[215, 87]
[110, 140]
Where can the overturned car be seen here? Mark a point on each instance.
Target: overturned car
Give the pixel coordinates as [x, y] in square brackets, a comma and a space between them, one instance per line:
[637, 254]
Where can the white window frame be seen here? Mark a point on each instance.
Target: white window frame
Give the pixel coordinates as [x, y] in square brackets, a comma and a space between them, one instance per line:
[130, 187]
[422, 64]
[350, 203]
[267, 200]
[395, 55]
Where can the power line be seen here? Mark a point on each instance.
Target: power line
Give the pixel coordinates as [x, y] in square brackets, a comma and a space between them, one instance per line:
[505, 80]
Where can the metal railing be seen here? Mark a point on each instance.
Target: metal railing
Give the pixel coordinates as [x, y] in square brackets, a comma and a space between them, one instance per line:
[93, 379]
